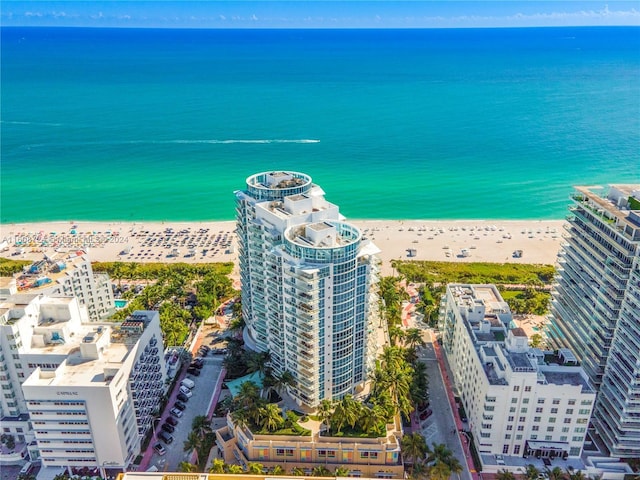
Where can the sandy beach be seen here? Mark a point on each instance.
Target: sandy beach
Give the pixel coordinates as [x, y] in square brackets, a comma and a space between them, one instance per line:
[172, 242]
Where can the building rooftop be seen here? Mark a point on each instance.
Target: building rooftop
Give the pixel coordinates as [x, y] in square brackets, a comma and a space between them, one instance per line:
[93, 352]
[487, 317]
[621, 204]
[41, 273]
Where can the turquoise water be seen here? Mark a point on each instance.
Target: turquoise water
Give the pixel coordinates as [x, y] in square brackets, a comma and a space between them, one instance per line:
[101, 124]
[120, 303]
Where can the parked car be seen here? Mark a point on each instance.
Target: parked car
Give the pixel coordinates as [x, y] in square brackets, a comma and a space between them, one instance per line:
[186, 391]
[180, 406]
[426, 414]
[188, 383]
[165, 437]
[182, 397]
[175, 412]
[196, 365]
[168, 428]
[172, 421]
[159, 448]
[193, 371]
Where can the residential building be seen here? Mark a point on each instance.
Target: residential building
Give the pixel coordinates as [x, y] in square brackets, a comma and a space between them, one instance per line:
[308, 286]
[520, 401]
[90, 391]
[67, 274]
[596, 307]
[363, 457]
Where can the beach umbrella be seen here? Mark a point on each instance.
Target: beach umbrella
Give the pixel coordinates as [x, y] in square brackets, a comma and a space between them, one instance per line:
[73, 232]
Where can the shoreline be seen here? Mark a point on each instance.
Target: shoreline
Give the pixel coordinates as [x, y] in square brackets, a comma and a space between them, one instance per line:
[196, 242]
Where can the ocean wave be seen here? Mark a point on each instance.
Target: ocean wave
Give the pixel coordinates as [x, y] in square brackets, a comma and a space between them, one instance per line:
[276, 140]
[168, 142]
[46, 124]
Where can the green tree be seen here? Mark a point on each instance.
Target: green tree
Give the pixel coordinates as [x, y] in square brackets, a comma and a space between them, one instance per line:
[341, 471]
[413, 338]
[218, 466]
[345, 412]
[236, 469]
[531, 472]
[187, 467]
[556, 473]
[325, 412]
[192, 443]
[321, 471]
[536, 340]
[277, 470]
[298, 472]
[439, 471]
[201, 425]
[271, 419]
[414, 448]
[254, 468]
[505, 474]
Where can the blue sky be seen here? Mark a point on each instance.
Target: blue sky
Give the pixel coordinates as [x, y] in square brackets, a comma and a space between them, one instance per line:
[318, 14]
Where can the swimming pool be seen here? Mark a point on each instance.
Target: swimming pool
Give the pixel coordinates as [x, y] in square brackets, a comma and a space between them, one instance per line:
[121, 303]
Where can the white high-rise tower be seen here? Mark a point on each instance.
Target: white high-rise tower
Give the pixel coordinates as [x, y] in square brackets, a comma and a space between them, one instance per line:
[308, 286]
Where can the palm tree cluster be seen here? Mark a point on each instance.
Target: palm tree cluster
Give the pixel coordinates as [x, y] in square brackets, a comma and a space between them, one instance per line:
[357, 418]
[254, 468]
[201, 438]
[248, 408]
[531, 472]
[405, 382]
[436, 463]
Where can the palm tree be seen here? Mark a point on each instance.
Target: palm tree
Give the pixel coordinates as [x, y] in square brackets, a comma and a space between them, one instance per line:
[555, 474]
[505, 474]
[187, 467]
[277, 470]
[439, 471]
[531, 472]
[395, 334]
[218, 466]
[192, 443]
[414, 447]
[345, 413]
[271, 419]
[201, 425]
[575, 475]
[235, 469]
[341, 471]
[321, 471]
[254, 468]
[298, 472]
[325, 411]
[413, 338]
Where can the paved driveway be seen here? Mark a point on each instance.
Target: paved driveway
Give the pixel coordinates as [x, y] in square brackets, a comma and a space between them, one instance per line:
[198, 404]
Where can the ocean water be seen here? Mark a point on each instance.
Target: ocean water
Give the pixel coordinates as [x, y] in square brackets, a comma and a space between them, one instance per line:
[128, 124]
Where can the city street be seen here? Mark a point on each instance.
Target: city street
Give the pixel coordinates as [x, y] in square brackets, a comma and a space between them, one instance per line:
[198, 404]
[441, 426]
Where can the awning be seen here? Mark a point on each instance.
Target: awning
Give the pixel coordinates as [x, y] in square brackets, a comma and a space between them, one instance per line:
[548, 446]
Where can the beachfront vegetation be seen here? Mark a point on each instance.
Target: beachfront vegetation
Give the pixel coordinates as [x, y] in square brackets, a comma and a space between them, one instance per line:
[9, 267]
[182, 293]
[524, 287]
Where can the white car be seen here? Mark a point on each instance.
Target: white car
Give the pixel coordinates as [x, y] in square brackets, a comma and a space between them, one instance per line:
[186, 391]
[176, 413]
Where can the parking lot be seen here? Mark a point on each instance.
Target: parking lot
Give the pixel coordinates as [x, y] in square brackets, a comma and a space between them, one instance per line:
[198, 404]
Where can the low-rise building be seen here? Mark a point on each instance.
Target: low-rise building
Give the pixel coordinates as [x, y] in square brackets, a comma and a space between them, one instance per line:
[520, 401]
[364, 457]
